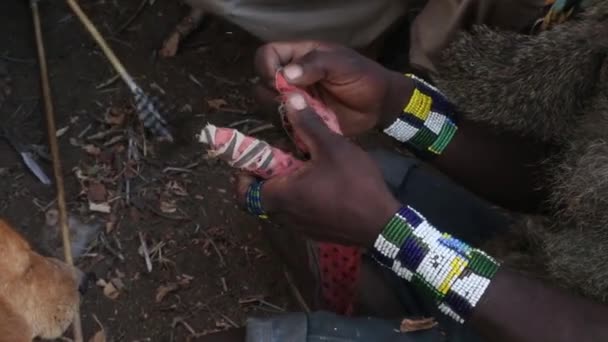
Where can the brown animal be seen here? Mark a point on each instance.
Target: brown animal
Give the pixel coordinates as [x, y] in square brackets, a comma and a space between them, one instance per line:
[38, 295]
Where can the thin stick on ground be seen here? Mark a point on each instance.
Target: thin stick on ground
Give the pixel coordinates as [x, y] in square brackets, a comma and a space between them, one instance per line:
[146, 108]
[146, 252]
[217, 250]
[54, 146]
[134, 16]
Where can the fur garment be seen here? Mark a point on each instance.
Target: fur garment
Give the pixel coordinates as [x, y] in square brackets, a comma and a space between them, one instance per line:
[552, 86]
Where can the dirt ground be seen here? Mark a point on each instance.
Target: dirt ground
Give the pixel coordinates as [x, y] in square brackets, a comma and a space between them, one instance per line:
[211, 267]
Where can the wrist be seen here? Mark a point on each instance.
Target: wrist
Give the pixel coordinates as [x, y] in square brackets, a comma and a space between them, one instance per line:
[427, 122]
[448, 271]
[398, 95]
[382, 217]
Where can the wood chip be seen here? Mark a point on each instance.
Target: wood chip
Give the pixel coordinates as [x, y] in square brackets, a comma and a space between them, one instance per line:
[168, 206]
[164, 290]
[216, 103]
[100, 207]
[412, 325]
[61, 131]
[92, 150]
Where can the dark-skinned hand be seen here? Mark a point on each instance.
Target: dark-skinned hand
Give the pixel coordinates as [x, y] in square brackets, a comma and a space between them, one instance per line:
[338, 195]
[362, 93]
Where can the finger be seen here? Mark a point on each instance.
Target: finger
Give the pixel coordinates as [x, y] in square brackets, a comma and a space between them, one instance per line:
[269, 191]
[272, 57]
[335, 65]
[308, 125]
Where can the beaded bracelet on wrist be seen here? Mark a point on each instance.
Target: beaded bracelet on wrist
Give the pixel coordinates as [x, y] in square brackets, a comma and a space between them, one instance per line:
[427, 124]
[446, 269]
[253, 199]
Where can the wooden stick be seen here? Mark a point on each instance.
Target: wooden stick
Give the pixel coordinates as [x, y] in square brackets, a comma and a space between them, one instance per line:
[51, 129]
[120, 69]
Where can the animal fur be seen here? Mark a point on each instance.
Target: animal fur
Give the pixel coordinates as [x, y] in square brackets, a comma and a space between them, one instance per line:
[38, 296]
[552, 86]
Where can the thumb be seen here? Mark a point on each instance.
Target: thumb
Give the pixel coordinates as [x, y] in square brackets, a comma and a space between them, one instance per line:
[317, 65]
[307, 124]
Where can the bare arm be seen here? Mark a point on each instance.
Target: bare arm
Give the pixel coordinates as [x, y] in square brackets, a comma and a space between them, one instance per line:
[500, 166]
[517, 308]
[470, 287]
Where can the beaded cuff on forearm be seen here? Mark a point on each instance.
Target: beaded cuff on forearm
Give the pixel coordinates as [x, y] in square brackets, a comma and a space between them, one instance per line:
[446, 269]
[427, 123]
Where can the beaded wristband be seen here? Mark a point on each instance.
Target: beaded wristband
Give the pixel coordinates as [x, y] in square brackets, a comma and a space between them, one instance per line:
[427, 123]
[254, 200]
[446, 269]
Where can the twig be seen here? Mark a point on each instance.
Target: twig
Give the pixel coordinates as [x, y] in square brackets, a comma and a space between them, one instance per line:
[230, 321]
[109, 248]
[103, 134]
[45, 207]
[224, 285]
[217, 250]
[261, 128]
[84, 131]
[187, 168]
[135, 14]
[243, 122]
[108, 82]
[222, 79]
[194, 80]
[260, 300]
[296, 292]
[57, 169]
[144, 248]
[98, 322]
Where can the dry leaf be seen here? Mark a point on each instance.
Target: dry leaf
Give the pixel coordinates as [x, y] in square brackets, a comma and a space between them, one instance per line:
[164, 290]
[115, 116]
[168, 206]
[412, 325]
[217, 103]
[118, 284]
[92, 150]
[100, 336]
[109, 290]
[100, 207]
[97, 192]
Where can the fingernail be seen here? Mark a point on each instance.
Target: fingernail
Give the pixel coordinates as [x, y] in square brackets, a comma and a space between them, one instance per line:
[296, 101]
[292, 71]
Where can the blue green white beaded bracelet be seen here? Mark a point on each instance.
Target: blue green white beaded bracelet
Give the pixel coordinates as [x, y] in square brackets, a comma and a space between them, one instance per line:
[427, 123]
[253, 199]
[446, 269]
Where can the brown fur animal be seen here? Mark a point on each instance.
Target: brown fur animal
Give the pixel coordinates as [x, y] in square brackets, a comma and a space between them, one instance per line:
[38, 295]
[552, 86]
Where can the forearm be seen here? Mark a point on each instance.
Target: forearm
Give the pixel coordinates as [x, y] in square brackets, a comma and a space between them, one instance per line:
[469, 286]
[518, 308]
[501, 167]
